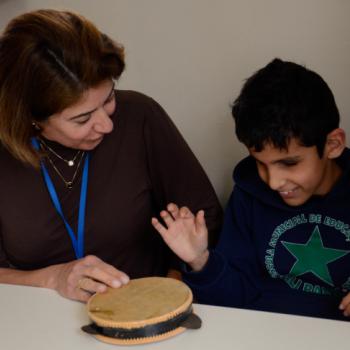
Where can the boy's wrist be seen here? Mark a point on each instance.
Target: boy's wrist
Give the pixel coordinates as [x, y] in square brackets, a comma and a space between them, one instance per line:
[198, 263]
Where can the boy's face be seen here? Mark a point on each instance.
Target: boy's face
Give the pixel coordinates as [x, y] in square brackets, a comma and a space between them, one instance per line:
[297, 173]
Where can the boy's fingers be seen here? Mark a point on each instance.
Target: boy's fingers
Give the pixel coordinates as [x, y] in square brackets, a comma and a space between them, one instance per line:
[159, 227]
[168, 219]
[173, 209]
[185, 213]
[200, 220]
[200, 217]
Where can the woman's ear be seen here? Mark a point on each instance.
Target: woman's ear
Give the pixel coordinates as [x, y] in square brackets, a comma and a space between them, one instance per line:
[335, 143]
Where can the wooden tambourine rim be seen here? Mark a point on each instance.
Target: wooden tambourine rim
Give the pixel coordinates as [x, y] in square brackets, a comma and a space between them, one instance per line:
[141, 323]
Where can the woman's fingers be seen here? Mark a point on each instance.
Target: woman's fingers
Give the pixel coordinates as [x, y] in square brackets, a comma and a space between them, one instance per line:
[92, 261]
[89, 285]
[112, 271]
[80, 278]
[82, 295]
[104, 273]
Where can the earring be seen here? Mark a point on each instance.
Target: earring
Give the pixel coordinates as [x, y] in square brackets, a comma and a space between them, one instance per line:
[36, 126]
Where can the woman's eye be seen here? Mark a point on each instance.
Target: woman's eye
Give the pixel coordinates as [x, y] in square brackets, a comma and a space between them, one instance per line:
[110, 99]
[82, 120]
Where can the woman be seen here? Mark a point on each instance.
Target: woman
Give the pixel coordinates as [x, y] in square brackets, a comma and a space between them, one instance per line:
[84, 167]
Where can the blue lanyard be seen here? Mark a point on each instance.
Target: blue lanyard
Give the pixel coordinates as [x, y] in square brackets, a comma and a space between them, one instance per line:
[77, 241]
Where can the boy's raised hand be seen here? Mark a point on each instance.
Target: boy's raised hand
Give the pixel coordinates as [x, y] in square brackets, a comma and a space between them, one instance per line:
[186, 234]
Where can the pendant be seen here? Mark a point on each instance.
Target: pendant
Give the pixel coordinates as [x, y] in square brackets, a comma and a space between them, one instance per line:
[71, 162]
[69, 184]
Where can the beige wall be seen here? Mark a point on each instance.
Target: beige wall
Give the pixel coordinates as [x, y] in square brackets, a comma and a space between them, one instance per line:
[193, 55]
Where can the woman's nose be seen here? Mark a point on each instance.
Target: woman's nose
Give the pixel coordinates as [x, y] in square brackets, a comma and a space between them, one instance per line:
[104, 123]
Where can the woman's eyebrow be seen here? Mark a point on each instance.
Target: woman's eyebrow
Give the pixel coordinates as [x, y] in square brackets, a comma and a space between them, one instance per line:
[92, 111]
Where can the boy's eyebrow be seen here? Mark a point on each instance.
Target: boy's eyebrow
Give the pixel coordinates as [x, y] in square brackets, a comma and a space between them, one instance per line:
[283, 160]
[89, 112]
[287, 159]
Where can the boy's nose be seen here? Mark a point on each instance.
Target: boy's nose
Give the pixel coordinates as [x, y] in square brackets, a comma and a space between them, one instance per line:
[275, 181]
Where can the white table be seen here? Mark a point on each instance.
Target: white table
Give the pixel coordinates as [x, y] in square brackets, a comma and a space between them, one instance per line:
[35, 319]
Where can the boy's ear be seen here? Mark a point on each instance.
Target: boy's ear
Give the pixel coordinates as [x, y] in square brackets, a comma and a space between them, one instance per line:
[335, 143]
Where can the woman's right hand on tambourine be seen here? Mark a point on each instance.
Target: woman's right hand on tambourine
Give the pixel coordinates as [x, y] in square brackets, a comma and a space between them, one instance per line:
[79, 279]
[186, 234]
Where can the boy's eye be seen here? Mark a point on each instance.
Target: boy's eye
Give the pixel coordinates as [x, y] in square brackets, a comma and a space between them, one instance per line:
[289, 163]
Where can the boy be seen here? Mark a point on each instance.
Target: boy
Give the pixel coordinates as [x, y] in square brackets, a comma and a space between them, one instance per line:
[285, 244]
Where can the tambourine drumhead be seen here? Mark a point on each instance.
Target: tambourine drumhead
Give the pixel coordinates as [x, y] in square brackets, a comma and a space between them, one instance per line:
[141, 304]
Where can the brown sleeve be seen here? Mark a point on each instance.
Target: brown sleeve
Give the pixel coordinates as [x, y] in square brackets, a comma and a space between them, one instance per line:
[176, 175]
[3, 257]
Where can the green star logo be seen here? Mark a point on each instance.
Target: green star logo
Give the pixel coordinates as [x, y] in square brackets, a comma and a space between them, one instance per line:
[313, 257]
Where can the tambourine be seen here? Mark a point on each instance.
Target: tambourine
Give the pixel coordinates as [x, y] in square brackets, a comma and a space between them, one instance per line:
[143, 311]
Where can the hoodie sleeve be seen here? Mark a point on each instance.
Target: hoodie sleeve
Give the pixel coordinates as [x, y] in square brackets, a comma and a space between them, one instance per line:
[230, 277]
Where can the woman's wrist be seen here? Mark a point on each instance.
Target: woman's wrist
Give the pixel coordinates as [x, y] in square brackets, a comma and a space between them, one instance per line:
[44, 278]
[51, 274]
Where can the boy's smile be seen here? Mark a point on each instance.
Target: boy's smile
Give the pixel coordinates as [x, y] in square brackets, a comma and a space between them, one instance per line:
[296, 173]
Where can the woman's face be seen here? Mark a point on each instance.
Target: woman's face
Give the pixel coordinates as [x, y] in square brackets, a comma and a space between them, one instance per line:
[84, 124]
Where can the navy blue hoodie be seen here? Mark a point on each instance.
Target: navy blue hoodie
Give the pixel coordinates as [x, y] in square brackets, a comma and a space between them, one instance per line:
[276, 257]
